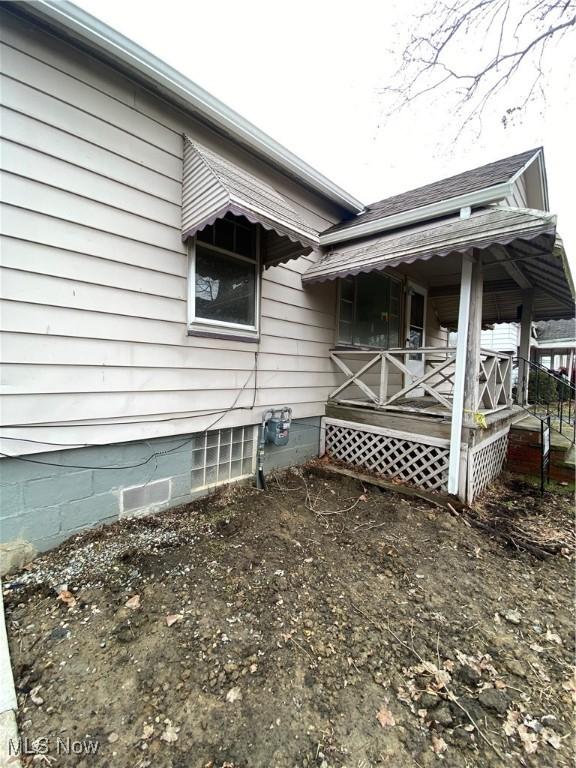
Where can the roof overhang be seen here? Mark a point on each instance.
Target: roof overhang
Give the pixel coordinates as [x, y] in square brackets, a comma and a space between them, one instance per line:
[213, 186]
[558, 344]
[482, 229]
[527, 238]
[475, 199]
[74, 23]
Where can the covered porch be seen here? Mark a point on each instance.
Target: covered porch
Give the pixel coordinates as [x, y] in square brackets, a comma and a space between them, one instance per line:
[428, 413]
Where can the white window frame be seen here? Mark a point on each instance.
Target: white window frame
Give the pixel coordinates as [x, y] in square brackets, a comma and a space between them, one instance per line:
[219, 326]
[412, 287]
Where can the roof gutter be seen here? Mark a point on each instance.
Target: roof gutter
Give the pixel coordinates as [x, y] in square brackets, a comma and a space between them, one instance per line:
[71, 19]
[493, 194]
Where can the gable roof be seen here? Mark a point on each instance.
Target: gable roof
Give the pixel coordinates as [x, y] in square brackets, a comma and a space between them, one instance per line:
[453, 190]
[74, 24]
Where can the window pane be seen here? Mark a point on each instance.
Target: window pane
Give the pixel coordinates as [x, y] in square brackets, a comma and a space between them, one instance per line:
[225, 288]
[345, 332]
[394, 332]
[245, 240]
[347, 288]
[206, 235]
[417, 310]
[372, 310]
[224, 236]
[346, 311]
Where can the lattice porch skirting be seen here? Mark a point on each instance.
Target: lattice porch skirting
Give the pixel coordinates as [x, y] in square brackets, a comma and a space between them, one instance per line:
[485, 462]
[416, 459]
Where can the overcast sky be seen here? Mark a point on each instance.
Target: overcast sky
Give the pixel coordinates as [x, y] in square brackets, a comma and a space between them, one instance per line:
[310, 73]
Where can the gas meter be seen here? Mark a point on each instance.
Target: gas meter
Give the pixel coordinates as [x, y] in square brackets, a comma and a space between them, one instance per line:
[277, 426]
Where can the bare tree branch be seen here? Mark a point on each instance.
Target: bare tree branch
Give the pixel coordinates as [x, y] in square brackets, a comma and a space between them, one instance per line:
[476, 48]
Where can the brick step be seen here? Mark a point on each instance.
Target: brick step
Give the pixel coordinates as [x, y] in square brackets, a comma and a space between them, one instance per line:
[523, 456]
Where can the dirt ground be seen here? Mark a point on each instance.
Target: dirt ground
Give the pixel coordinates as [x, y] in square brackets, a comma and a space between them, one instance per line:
[319, 623]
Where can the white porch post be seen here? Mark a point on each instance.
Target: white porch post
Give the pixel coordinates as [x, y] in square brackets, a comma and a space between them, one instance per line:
[473, 354]
[524, 347]
[459, 375]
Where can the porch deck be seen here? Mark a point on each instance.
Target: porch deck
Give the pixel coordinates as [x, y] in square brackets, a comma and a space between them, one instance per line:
[421, 418]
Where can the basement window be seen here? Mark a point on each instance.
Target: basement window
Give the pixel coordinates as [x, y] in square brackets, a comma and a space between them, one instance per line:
[369, 311]
[224, 278]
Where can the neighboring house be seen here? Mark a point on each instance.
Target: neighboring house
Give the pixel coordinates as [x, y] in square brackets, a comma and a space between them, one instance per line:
[170, 273]
[502, 337]
[555, 345]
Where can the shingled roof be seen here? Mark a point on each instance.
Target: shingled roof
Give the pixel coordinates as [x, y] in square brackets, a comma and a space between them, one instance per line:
[555, 330]
[499, 172]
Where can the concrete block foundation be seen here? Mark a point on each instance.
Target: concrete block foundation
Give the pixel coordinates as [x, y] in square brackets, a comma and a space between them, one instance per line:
[42, 505]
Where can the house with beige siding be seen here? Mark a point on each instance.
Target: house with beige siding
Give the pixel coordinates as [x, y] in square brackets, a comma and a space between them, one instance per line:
[172, 277]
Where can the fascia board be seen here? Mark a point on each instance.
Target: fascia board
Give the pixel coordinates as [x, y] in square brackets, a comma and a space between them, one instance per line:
[493, 194]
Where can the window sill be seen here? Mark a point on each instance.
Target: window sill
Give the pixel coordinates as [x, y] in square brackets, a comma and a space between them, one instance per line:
[252, 337]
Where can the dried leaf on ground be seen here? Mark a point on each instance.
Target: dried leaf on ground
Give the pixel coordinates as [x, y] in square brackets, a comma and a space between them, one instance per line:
[67, 597]
[529, 740]
[38, 700]
[441, 676]
[234, 694]
[570, 686]
[133, 602]
[438, 744]
[170, 733]
[172, 618]
[550, 736]
[385, 716]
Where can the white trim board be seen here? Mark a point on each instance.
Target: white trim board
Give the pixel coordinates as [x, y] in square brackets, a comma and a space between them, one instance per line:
[413, 437]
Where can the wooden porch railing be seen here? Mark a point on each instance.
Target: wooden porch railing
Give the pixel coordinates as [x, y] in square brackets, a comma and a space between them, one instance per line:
[436, 382]
[495, 381]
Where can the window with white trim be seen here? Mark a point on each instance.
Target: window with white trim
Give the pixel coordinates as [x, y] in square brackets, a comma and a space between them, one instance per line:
[369, 311]
[224, 276]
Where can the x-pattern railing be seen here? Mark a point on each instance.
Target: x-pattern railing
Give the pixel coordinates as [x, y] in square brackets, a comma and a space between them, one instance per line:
[437, 380]
[495, 384]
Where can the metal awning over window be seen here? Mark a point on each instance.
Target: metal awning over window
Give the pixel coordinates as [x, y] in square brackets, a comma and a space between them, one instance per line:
[213, 187]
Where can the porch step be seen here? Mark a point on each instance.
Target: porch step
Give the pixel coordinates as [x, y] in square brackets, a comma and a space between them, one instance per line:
[524, 451]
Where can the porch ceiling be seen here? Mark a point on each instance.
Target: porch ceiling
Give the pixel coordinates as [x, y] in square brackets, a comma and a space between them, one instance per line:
[519, 249]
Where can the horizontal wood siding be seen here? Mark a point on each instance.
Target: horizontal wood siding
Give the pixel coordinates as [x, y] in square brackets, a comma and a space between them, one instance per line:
[94, 272]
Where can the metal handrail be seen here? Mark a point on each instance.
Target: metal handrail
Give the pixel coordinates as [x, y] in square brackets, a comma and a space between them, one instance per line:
[562, 410]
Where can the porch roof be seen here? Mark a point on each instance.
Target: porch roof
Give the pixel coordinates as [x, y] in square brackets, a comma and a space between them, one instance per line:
[528, 237]
[475, 187]
[213, 187]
